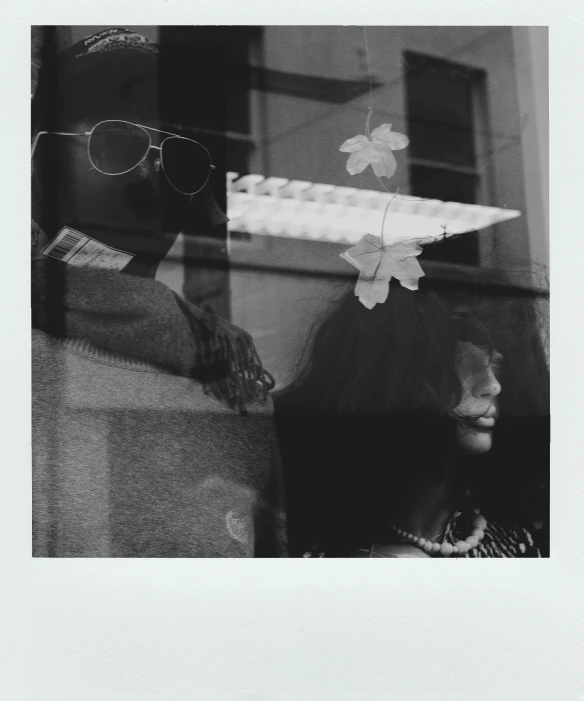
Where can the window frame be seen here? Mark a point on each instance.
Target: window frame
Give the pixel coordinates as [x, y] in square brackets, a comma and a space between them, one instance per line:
[481, 171]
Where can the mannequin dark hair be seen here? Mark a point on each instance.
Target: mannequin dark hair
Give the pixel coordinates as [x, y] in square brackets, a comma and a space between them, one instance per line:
[375, 392]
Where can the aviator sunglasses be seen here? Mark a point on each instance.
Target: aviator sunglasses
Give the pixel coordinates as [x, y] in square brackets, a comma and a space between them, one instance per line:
[116, 147]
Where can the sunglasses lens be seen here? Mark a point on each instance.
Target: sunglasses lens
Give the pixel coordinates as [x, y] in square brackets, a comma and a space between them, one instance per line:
[117, 147]
[186, 164]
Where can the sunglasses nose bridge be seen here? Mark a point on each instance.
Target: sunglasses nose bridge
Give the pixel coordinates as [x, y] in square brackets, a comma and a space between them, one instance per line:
[157, 159]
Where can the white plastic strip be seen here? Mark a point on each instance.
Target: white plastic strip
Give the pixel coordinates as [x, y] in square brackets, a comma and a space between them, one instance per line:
[322, 212]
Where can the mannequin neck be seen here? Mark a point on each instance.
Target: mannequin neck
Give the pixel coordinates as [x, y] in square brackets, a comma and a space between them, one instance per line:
[427, 501]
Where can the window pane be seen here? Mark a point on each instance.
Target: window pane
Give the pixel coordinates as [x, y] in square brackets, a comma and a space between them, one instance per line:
[439, 108]
[463, 249]
[442, 184]
[216, 66]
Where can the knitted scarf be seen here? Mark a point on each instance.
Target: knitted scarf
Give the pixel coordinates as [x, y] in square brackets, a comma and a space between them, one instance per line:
[143, 319]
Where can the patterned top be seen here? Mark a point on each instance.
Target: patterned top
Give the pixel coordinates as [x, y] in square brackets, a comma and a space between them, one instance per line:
[498, 541]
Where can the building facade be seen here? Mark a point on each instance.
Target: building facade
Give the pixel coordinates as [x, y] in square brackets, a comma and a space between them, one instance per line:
[472, 101]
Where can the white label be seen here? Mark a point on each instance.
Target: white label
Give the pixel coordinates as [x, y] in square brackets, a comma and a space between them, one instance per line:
[73, 247]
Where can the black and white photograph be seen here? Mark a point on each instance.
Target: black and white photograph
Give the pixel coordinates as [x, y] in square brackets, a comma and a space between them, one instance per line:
[277, 298]
[298, 310]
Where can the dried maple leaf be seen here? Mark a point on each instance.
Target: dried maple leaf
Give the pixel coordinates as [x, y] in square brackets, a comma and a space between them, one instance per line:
[375, 150]
[377, 264]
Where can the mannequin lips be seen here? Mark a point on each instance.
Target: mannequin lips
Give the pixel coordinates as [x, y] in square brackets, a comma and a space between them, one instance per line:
[483, 421]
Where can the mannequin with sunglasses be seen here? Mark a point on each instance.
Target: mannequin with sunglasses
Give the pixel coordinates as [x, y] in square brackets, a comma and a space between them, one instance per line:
[148, 178]
[152, 425]
[131, 187]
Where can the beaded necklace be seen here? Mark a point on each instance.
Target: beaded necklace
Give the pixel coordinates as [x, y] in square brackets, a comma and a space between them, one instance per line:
[497, 541]
[446, 549]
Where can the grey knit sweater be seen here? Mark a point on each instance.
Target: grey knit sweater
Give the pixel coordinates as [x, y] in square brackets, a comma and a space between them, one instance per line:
[132, 459]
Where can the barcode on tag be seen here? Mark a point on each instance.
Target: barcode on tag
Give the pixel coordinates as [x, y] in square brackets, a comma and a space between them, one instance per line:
[74, 248]
[65, 245]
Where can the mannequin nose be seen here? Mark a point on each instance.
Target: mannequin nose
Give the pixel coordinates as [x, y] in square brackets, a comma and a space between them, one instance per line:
[491, 386]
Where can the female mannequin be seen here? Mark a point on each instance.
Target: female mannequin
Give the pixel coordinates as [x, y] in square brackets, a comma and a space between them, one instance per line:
[413, 416]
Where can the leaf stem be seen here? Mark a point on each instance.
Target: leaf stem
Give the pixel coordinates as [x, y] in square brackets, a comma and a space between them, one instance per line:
[389, 192]
[386, 210]
[367, 122]
[368, 67]
[368, 134]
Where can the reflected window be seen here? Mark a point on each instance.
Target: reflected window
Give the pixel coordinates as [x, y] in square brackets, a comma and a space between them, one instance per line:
[442, 100]
[218, 64]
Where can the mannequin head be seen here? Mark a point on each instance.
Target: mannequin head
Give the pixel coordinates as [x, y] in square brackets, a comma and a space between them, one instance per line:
[445, 361]
[138, 212]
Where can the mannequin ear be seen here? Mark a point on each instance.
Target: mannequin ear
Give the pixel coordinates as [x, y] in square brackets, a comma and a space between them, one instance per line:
[38, 240]
[44, 192]
[36, 210]
[38, 237]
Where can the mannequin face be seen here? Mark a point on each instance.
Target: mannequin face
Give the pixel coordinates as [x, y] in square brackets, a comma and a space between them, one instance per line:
[477, 411]
[131, 212]
[138, 212]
